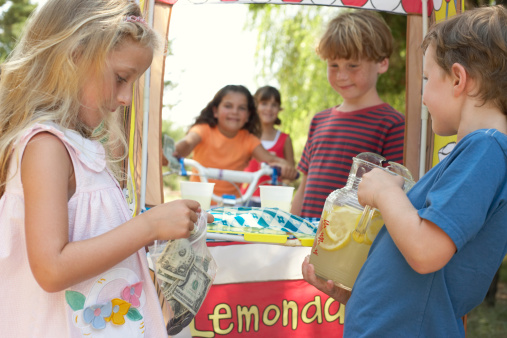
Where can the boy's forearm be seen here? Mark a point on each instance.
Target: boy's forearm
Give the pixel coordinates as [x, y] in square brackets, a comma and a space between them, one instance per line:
[297, 201]
[425, 246]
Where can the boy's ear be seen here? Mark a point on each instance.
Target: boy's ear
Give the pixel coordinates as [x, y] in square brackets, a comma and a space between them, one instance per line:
[383, 66]
[459, 79]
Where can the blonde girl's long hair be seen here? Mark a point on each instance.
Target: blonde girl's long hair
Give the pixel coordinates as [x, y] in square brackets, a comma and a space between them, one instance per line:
[40, 81]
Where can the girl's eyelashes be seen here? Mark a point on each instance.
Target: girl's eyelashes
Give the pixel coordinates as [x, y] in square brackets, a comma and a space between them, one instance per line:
[120, 79]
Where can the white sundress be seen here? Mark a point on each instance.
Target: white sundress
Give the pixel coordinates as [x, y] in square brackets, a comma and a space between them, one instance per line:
[121, 302]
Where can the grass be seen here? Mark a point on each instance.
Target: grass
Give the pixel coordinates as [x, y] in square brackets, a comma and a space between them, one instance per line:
[491, 321]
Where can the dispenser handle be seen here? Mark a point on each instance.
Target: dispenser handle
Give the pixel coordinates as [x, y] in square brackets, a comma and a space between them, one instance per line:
[360, 231]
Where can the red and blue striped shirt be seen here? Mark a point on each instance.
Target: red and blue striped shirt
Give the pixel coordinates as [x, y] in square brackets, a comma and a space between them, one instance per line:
[335, 138]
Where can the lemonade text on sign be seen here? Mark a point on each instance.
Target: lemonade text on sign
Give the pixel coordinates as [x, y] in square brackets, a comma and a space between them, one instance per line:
[225, 320]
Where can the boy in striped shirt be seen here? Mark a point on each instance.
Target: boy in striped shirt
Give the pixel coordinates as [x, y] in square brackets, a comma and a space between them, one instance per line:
[357, 46]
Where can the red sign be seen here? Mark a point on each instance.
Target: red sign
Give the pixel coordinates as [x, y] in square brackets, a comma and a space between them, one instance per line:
[286, 308]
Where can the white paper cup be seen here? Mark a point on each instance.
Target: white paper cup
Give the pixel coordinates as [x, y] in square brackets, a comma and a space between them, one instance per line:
[197, 191]
[276, 196]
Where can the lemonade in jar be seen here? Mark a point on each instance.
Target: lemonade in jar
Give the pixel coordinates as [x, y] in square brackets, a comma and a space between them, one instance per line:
[347, 229]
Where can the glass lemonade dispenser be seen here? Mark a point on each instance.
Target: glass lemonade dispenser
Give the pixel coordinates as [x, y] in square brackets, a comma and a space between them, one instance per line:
[347, 229]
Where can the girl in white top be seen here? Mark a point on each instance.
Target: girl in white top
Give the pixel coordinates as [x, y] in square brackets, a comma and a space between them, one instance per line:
[73, 261]
[268, 102]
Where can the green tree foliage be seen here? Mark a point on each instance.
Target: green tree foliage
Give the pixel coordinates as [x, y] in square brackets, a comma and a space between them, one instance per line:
[286, 58]
[175, 132]
[391, 85]
[13, 15]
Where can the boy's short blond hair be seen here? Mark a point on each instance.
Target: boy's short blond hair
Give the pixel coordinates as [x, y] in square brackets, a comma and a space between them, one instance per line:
[356, 35]
[477, 40]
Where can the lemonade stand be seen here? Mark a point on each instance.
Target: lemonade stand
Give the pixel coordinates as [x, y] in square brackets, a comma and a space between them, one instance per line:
[259, 290]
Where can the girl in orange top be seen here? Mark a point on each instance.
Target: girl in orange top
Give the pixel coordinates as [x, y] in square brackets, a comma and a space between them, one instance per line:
[226, 136]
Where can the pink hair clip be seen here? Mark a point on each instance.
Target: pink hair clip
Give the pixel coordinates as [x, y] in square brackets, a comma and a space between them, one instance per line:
[133, 18]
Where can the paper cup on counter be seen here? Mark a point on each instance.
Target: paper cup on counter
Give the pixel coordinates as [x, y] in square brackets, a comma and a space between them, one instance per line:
[276, 196]
[197, 191]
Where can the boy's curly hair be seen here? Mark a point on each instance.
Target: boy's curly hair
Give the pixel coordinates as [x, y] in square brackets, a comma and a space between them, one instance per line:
[477, 40]
[356, 35]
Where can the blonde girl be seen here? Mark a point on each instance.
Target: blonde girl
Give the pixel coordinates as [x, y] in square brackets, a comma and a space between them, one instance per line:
[72, 259]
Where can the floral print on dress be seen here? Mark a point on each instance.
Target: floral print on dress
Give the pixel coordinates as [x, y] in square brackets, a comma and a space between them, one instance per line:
[112, 318]
[96, 314]
[131, 293]
[119, 311]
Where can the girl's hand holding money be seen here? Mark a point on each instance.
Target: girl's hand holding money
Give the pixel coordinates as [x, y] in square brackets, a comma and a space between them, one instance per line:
[174, 220]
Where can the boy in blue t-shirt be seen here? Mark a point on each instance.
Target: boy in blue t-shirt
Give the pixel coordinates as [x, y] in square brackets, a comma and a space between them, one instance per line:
[443, 242]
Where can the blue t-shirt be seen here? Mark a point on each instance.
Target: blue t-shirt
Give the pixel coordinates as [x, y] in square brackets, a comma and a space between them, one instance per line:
[466, 196]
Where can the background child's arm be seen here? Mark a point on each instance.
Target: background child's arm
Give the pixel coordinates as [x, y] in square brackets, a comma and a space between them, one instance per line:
[297, 200]
[48, 183]
[184, 147]
[262, 155]
[425, 246]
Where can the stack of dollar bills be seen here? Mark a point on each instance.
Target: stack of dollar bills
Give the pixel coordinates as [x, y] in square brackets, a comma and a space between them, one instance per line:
[185, 277]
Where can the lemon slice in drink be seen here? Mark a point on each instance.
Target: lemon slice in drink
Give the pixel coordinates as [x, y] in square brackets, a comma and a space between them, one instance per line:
[340, 222]
[342, 219]
[343, 238]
